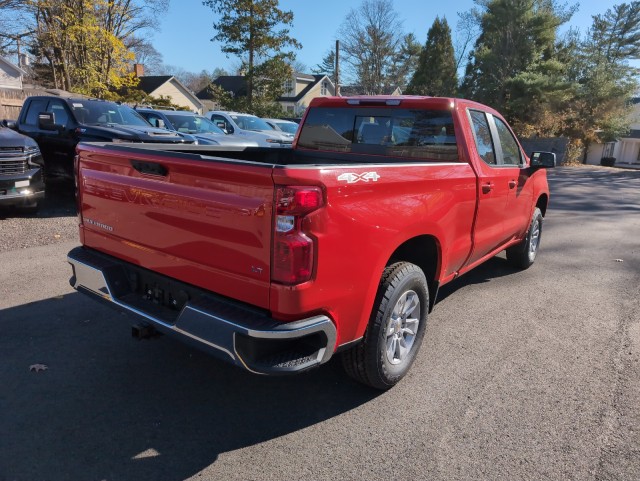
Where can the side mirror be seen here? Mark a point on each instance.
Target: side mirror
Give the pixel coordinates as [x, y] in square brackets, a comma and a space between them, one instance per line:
[47, 121]
[543, 160]
[222, 126]
[161, 124]
[10, 124]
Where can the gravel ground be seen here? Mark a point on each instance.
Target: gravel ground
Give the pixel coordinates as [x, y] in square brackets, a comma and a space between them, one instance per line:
[55, 222]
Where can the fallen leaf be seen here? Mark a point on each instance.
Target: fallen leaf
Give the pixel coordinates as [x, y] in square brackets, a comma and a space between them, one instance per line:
[57, 236]
[38, 367]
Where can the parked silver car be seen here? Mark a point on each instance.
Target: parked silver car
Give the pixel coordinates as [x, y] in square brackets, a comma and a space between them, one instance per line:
[283, 125]
[204, 130]
[249, 126]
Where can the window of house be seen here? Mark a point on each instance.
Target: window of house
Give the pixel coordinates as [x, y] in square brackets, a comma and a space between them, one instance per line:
[608, 149]
[324, 88]
[288, 87]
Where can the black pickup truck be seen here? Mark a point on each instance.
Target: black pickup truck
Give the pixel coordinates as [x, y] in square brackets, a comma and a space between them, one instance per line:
[21, 183]
[58, 124]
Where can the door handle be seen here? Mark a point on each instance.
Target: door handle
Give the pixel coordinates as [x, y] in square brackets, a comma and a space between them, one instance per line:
[512, 184]
[151, 168]
[486, 188]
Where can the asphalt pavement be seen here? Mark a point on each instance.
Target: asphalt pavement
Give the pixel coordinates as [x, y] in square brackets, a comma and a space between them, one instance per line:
[531, 375]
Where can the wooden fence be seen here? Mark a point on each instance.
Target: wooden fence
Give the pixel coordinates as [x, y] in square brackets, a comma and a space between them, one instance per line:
[11, 100]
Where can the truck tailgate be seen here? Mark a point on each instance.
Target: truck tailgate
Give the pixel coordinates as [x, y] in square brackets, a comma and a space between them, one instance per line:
[205, 221]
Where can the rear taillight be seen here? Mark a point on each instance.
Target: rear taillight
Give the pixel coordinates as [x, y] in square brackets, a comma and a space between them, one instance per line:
[76, 183]
[293, 250]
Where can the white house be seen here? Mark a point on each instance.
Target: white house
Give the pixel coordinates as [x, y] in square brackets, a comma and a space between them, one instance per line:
[301, 88]
[168, 86]
[10, 75]
[626, 150]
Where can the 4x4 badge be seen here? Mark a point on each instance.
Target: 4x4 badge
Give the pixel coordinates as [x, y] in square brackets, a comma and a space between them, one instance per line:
[351, 178]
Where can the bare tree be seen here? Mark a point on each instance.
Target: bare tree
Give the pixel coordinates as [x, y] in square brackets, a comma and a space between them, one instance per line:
[371, 37]
[467, 31]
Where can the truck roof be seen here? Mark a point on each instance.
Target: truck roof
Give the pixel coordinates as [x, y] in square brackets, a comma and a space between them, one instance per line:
[409, 101]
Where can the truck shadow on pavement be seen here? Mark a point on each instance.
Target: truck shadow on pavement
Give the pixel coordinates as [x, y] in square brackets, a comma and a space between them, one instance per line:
[111, 407]
[493, 268]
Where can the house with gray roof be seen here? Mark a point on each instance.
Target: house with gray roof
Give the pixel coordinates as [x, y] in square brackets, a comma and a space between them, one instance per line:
[299, 90]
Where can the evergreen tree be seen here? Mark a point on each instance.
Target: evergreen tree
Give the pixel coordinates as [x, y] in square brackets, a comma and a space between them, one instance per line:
[404, 62]
[259, 30]
[513, 58]
[436, 73]
[605, 80]
[327, 66]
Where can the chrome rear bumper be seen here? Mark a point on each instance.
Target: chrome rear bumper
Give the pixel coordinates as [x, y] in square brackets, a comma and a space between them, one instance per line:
[234, 332]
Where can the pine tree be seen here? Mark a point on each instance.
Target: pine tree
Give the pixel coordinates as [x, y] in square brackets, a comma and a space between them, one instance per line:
[327, 66]
[605, 80]
[436, 72]
[259, 30]
[515, 48]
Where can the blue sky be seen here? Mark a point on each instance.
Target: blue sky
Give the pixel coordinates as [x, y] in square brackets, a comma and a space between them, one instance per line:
[183, 39]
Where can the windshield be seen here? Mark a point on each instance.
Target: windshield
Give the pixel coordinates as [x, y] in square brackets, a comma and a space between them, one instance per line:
[247, 122]
[193, 124]
[95, 112]
[288, 127]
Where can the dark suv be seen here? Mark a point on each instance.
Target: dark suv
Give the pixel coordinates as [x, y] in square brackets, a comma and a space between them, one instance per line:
[21, 182]
[57, 124]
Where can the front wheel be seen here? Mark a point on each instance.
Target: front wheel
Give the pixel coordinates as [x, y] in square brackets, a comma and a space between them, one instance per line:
[395, 330]
[523, 255]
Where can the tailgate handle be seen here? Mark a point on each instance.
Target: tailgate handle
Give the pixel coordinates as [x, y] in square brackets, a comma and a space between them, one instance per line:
[150, 168]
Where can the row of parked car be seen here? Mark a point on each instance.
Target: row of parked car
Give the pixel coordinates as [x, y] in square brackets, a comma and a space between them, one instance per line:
[231, 129]
[44, 137]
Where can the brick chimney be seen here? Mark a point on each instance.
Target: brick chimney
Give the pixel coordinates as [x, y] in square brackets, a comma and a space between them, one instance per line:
[138, 70]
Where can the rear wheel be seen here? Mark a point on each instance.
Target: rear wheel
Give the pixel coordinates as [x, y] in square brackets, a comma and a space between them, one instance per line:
[395, 330]
[524, 254]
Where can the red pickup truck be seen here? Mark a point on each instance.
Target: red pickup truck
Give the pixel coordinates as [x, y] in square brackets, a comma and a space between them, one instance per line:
[277, 259]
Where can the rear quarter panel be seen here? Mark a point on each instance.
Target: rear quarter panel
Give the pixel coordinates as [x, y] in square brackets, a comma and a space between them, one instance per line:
[364, 222]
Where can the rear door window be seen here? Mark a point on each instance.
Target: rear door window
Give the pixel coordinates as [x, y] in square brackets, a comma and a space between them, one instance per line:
[404, 133]
[482, 134]
[511, 154]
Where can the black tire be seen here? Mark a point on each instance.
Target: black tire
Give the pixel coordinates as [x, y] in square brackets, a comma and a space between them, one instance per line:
[524, 254]
[379, 360]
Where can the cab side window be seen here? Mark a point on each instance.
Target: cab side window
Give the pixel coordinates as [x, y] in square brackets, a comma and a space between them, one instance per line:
[510, 151]
[153, 119]
[60, 112]
[482, 134]
[222, 123]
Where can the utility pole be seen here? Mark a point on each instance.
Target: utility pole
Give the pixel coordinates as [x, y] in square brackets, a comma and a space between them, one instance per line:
[337, 69]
